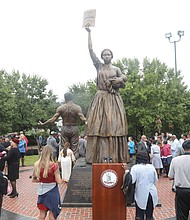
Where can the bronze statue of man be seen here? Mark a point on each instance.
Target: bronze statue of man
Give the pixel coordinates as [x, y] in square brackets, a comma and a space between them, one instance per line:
[106, 128]
[69, 112]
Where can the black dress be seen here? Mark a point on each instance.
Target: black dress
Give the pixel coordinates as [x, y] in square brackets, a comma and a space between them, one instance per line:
[12, 159]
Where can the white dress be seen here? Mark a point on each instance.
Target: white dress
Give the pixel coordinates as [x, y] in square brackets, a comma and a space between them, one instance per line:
[155, 155]
[66, 164]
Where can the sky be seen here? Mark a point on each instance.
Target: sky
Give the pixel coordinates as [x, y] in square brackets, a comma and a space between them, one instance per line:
[46, 38]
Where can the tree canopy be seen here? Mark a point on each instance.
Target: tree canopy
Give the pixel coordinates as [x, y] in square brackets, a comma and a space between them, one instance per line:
[153, 91]
[155, 98]
[24, 100]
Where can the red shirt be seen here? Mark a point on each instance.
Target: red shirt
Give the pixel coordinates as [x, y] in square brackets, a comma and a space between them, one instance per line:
[166, 150]
[51, 174]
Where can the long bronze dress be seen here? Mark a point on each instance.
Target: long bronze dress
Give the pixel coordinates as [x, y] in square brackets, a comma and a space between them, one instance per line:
[106, 119]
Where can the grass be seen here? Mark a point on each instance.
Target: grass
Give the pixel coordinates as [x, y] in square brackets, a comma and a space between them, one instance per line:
[30, 160]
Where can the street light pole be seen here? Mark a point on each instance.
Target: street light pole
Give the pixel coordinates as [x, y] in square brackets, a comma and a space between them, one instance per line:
[175, 57]
[169, 35]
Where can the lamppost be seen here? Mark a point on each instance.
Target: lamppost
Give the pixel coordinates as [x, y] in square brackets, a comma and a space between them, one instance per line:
[169, 35]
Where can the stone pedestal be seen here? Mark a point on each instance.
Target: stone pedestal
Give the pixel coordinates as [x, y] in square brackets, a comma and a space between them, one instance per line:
[79, 190]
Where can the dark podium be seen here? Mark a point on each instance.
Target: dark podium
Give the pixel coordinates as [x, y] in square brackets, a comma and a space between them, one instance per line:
[108, 200]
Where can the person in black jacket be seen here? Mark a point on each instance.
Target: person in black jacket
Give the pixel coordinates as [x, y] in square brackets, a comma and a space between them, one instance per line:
[128, 188]
[12, 159]
[3, 150]
[6, 142]
[143, 146]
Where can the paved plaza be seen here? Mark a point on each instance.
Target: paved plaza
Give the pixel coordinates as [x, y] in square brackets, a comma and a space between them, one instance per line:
[24, 207]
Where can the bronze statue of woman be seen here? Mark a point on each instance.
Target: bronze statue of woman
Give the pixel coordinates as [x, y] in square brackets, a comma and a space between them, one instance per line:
[106, 128]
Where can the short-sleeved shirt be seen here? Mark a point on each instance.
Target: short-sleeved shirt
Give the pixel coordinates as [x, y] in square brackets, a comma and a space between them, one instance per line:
[180, 171]
[145, 177]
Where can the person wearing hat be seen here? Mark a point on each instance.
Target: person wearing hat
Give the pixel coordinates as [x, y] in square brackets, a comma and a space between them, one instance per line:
[12, 159]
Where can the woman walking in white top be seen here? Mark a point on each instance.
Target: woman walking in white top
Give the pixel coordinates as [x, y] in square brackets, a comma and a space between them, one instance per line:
[66, 159]
[155, 155]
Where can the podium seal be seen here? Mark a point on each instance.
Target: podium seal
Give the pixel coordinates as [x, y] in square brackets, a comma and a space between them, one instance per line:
[109, 178]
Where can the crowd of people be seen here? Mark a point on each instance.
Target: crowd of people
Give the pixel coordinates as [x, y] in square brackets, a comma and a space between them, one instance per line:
[149, 159]
[54, 139]
[53, 158]
[162, 154]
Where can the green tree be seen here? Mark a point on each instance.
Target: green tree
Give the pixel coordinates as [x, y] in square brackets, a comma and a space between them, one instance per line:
[30, 101]
[6, 104]
[83, 94]
[151, 91]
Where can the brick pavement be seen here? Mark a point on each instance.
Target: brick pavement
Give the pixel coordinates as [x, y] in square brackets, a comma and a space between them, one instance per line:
[25, 204]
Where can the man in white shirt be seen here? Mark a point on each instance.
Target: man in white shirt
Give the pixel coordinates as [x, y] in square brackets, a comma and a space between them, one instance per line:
[175, 146]
[180, 172]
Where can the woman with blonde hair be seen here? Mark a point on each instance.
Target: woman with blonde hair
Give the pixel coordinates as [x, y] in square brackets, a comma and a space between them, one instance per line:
[66, 159]
[22, 148]
[46, 172]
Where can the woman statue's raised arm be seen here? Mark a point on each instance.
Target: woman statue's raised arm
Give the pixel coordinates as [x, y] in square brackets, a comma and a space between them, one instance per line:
[89, 38]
